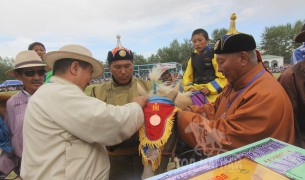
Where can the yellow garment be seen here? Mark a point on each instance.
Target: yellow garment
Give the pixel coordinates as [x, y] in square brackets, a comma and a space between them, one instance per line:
[188, 80]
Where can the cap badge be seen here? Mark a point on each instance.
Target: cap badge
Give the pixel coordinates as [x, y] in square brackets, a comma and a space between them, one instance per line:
[122, 53]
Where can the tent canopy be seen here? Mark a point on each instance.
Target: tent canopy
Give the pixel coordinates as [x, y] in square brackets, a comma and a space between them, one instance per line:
[11, 83]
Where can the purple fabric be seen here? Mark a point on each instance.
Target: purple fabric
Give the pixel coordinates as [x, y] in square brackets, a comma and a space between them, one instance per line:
[198, 98]
[15, 109]
[6, 164]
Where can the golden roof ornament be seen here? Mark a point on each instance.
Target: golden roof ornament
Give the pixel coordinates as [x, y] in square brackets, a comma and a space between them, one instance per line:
[232, 30]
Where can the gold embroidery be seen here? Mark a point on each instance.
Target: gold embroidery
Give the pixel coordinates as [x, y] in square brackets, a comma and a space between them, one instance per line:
[156, 107]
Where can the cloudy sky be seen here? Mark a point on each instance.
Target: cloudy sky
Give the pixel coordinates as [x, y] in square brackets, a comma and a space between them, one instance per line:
[145, 25]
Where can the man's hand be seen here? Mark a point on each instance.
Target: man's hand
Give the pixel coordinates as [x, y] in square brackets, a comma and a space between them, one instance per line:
[191, 90]
[205, 91]
[141, 100]
[186, 109]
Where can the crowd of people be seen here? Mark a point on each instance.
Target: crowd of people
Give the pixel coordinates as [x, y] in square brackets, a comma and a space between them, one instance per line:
[52, 130]
[278, 69]
[11, 88]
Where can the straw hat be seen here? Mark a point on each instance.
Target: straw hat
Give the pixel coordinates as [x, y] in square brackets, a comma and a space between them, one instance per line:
[78, 52]
[25, 59]
[301, 36]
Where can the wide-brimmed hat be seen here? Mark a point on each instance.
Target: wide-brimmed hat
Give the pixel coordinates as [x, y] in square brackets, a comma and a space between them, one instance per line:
[301, 36]
[25, 59]
[78, 52]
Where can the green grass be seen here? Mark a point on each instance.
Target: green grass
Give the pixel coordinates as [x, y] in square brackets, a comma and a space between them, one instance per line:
[9, 92]
[276, 75]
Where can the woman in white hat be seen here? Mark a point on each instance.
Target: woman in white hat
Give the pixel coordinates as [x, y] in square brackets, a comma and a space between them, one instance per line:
[29, 69]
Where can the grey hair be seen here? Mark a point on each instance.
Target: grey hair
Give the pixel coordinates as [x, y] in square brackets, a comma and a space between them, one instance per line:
[253, 56]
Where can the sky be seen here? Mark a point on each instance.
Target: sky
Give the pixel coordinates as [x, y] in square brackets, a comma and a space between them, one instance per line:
[144, 25]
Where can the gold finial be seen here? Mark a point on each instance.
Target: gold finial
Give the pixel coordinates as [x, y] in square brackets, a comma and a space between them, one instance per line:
[232, 29]
[118, 37]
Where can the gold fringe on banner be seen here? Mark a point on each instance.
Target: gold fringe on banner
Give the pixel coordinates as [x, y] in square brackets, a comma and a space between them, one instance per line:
[158, 144]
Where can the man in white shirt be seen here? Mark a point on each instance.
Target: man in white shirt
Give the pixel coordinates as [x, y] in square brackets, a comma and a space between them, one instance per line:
[65, 131]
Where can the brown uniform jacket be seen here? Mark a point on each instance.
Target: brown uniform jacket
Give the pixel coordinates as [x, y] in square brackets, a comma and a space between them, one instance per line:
[293, 81]
[261, 110]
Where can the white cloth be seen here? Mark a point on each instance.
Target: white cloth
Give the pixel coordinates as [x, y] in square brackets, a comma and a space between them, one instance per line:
[65, 132]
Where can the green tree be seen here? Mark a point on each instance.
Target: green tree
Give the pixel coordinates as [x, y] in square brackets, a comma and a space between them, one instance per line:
[296, 30]
[186, 49]
[152, 59]
[5, 64]
[175, 52]
[217, 34]
[139, 59]
[279, 40]
[169, 54]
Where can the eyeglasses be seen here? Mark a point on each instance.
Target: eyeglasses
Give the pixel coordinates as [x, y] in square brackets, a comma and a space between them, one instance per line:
[31, 73]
